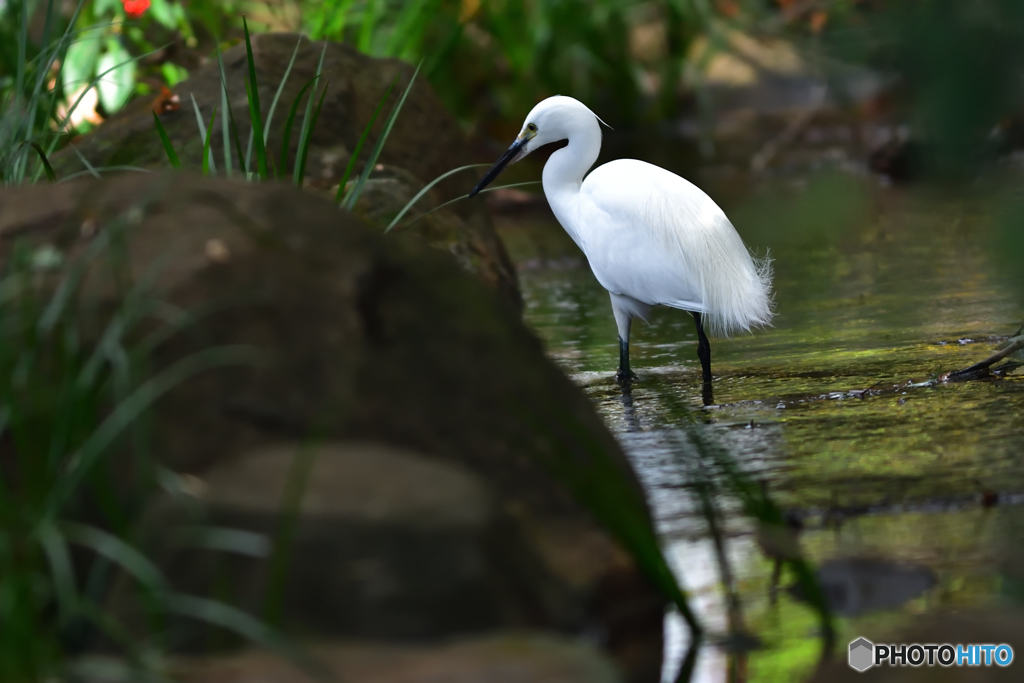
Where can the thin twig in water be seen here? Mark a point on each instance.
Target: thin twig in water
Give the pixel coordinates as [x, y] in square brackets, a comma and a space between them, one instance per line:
[981, 369]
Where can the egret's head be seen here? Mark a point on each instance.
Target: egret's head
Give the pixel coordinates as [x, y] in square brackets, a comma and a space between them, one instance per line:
[553, 120]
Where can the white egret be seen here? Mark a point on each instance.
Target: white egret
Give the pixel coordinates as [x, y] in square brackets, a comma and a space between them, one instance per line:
[650, 236]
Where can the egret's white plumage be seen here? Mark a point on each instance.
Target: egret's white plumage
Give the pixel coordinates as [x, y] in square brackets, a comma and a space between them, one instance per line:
[651, 237]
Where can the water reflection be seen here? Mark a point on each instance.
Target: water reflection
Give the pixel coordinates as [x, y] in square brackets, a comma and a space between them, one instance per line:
[874, 293]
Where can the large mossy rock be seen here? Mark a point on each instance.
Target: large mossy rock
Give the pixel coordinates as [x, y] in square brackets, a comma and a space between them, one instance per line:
[425, 142]
[408, 403]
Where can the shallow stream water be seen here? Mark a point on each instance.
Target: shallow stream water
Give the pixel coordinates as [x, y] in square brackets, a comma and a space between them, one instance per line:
[910, 495]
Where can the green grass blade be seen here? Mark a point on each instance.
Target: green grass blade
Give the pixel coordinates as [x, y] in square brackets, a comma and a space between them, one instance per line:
[224, 120]
[168, 147]
[46, 162]
[362, 138]
[273, 107]
[117, 550]
[61, 571]
[296, 483]
[211, 168]
[234, 132]
[280, 87]
[307, 139]
[104, 169]
[233, 619]
[204, 134]
[256, 133]
[56, 53]
[375, 154]
[82, 460]
[460, 198]
[300, 165]
[426, 189]
[286, 136]
[253, 95]
[85, 162]
[248, 543]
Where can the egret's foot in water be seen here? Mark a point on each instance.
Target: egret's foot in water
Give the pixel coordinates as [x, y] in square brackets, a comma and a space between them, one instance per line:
[708, 394]
[624, 377]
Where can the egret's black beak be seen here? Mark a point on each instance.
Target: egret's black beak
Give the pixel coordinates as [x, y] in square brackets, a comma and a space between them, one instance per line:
[509, 156]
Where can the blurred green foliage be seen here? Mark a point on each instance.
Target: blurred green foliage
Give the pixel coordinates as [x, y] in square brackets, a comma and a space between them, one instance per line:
[482, 57]
[957, 66]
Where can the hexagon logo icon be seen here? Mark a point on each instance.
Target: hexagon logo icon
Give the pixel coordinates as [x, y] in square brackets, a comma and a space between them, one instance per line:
[862, 654]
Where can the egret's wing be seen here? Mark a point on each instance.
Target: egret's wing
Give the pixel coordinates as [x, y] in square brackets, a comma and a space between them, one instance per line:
[658, 238]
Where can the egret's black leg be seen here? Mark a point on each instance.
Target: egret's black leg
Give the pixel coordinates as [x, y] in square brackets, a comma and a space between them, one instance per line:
[703, 348]
[704, 353]
[624, 375]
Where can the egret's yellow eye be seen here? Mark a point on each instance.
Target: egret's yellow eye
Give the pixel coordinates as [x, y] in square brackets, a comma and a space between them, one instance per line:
[532, 127]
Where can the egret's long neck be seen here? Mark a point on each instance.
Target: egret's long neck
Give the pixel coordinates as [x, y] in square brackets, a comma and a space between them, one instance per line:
[564, 171]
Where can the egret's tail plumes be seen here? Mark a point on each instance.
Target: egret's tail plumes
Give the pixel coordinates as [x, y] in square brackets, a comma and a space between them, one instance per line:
[735, 287]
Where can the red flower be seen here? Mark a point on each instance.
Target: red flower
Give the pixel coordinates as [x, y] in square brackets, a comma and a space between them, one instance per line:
[135, 8]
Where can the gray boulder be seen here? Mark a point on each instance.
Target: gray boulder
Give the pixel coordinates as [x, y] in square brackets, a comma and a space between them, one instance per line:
[430, 415]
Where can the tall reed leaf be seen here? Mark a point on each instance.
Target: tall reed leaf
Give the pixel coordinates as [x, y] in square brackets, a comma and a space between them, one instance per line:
[257, 133]
[307, 139]
[284, 80]
[286, 135]
[273, 106]
[307, 125]
[253, 95]
[350, 200]
[226, 123]
[362, 138]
